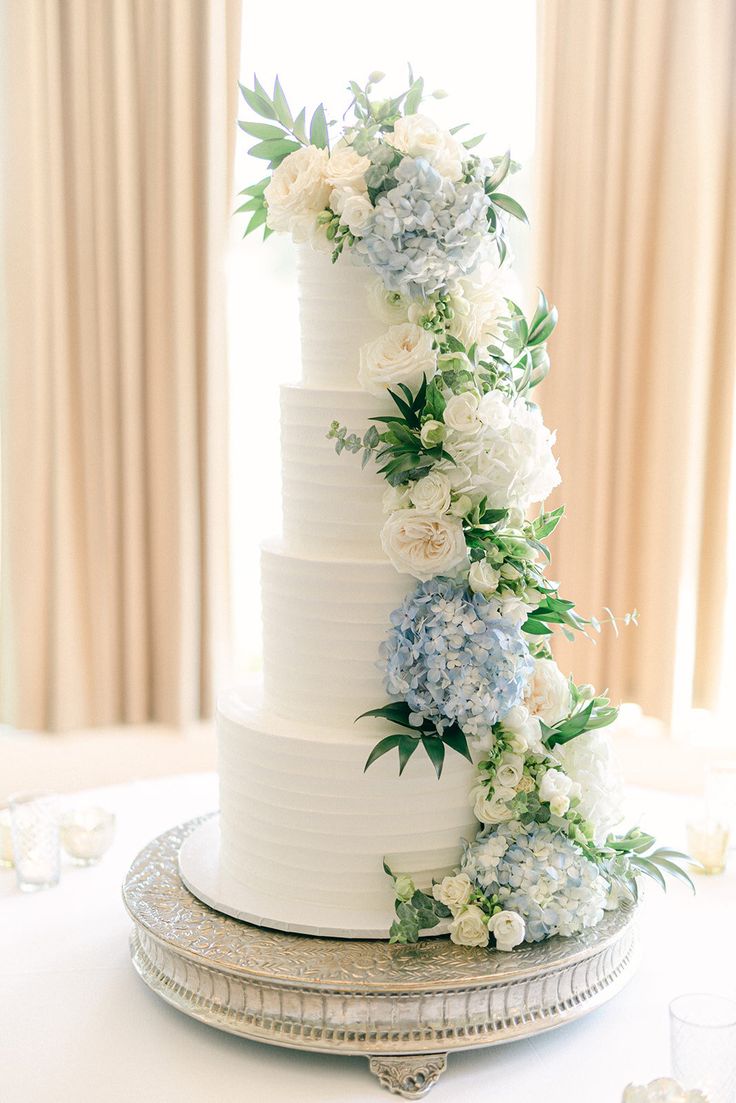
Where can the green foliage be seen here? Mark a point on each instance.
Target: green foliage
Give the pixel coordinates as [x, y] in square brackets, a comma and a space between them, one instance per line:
[415, 910]
[626, 858]
[433, 742]
[587, 714]
[521, 362]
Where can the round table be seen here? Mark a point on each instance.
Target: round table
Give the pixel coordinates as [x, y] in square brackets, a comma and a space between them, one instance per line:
[76, 1023]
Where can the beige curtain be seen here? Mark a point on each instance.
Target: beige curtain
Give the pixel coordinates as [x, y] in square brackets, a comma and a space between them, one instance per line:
[636, 234]
[118, 122]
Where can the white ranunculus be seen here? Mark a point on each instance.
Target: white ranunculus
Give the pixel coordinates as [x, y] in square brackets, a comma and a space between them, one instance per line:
[453, 892]
[357, 212]
[470, 927]
[479, 304]
[419, 136]
[589, 760]
[509, 770]
[346, 168]
[548, 692]
[555, 789]
[432, 493]
[461, 414]
[387, 306]
[396, 497]
[298, 190]
[424, 544]
[491, 809]
[404, 354]
[525, 730]
[483, 578]
[508, 929]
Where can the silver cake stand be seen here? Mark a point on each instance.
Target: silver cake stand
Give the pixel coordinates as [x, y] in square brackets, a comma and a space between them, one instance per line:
[403, 1007]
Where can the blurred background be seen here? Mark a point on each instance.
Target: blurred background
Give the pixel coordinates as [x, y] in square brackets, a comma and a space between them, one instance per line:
[142, 343]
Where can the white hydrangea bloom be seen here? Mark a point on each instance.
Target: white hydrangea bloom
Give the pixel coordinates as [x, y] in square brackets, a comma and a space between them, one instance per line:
[590, 761]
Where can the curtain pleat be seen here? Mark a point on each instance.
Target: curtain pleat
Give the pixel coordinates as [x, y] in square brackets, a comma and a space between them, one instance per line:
[118, 142]
[636, 234]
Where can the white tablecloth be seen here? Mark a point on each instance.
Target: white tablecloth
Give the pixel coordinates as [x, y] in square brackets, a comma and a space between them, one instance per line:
[78, 1026]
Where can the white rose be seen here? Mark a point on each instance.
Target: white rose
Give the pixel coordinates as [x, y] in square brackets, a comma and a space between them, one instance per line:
[432, 493]
[453, 892]
[524, 729]
[404, 887]
[424, 544]
[491, 809]
[510, 770]
[297, 188]
[420, 136]
[483, 578]
[356, 213]
[387, 306]
[554, 789]
[461, 414]
[508, 929]
[470, 928]
[346, 168]
[396, 497]
[479, 304]
[404, 354]
[548, 692]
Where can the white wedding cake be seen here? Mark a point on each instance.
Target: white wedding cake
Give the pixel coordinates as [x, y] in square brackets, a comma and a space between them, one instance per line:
[304, 830]
[409, 590]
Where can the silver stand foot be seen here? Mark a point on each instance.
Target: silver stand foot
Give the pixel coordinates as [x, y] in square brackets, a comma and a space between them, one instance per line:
[410, 1077]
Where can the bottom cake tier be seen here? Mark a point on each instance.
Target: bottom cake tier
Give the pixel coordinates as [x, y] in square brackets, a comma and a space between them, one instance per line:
[304, 830]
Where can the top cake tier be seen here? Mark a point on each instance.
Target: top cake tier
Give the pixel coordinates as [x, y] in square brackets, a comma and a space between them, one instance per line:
[335, 318]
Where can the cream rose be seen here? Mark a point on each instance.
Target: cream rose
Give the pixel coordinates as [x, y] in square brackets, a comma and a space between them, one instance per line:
[508, 929]
[346, 168]
[483, 578]
[424, 544]
[548, 692]
[470, 927]
[298, 190]
[509, 770]
[404, 354]
[432, 493]
[356, 213]
[453, 892]
[419, 136]
[461, 414]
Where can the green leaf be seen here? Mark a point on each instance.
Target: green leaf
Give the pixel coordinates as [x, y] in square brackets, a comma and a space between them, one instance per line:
[260, 90]
[673, 869]
[257, 189]
[253, 204]
[534, 627]
[283, 113]
[257, 103]
[318, 128]
[407, 746]
[650, 870]
[414, 97]
[435, 749]
[506, 203]
[501, 172]
[456, 740]
[397, 712]
[257, 220]
[387, 869]
[273, 149]
[473, 142]
[262, 130]
[381, 748]
[299, 126]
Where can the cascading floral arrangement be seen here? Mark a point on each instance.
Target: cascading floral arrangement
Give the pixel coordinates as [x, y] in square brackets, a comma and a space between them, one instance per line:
[466, 457]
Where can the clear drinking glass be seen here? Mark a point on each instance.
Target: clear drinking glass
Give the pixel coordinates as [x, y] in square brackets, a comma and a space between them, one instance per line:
[86, 834]
[703, 1044]
[6, 837]
[35, 830]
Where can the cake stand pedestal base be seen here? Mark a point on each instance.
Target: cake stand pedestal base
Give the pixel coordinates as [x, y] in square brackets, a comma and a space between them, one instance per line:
[403, 1007]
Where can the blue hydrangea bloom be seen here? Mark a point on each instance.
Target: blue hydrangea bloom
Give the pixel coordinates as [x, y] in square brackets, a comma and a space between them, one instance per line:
[538, 872]
[425, 231]
[452, 658]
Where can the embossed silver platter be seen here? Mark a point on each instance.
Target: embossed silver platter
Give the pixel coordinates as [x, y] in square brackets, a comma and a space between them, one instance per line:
[403, 1007]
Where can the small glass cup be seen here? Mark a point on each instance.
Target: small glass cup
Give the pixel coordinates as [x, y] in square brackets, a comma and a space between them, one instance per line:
[86, 833]
[703, 1044]
[707, 842]
[6, 838]
[35, 830]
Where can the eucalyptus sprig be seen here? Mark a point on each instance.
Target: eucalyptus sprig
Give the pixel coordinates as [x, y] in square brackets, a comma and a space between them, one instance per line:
[283, 134]
[555, 611]
[426, 735]
[627, 857]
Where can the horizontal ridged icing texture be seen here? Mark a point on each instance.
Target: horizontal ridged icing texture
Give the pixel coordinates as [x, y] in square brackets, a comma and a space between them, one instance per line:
[335, 319]
[323, 622]
[303, 825]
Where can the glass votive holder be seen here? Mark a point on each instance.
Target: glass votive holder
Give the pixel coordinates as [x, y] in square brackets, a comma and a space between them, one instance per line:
[663, 1090]
[707, 842]
[6, 838]
[703, 1044]
[86, 833]
[35, 831]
